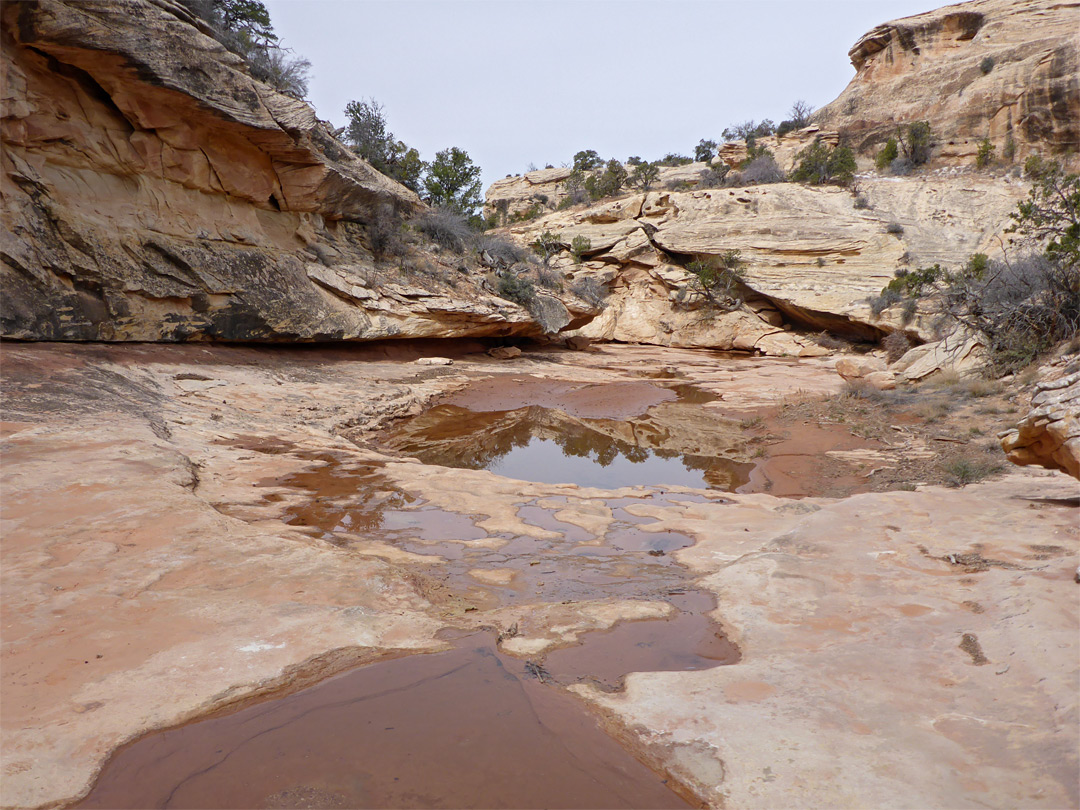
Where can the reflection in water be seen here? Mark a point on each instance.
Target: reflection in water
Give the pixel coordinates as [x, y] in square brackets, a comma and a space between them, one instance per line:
[546, 445]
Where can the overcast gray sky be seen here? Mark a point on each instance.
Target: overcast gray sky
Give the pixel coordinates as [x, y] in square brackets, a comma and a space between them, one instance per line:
[534, 81]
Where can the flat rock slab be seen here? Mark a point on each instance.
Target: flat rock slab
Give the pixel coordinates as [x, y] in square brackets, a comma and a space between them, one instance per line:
[898, 649]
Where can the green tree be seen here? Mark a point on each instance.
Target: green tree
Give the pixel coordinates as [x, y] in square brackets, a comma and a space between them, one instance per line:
[889, 152]
[985, 155]
[246, 18]
[607, 182]
[643, 176]
[453, 181]
[916, 141]
[586, 160]
[704, 151]
[370, 138]
[818, 164]
[1051, 213]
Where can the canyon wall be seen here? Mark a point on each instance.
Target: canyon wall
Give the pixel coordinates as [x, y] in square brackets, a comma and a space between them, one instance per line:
[153, 190]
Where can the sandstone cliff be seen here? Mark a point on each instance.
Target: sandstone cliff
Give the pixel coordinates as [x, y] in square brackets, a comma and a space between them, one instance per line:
[153, 190]
[812, 258]
[986, 68]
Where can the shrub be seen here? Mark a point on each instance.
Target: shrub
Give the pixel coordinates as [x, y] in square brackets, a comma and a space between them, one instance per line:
[861, 202]
[916, 141]
[587, 160]
[446, 227]
[986, 65]
[763, 170]
[1009, 152]
[818, 164]
[634, 160]
[720, 277]
[894, 228]
[453, 181]
[590, 290]
[962, 471]
[896, 345]
[546, 245]
[901, 167]
[714, 176]
[515, 288]
[608, 182]
[985, 154]
[384, 232]
[889, 152]
[644, 176]
[747, 129]
[502, 252]
[281, 70]
[674, 159]
[526, 214]
[784, 128]
[800, 114]
[579, 246]
[704, 151]
[549, 278]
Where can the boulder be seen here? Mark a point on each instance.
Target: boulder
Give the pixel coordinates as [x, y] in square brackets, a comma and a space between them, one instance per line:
[1049, 434]
[853, 368]
[504, 352]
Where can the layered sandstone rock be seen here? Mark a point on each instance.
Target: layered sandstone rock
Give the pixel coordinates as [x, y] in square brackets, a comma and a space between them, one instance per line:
[812, 259]
[154, 191]
[994, 69]
[1049, 434]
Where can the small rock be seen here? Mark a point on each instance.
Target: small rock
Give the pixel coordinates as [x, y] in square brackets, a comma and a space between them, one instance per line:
[434, 361]
[578, 343]
[853, 368]
[504, 352]
[881, 380]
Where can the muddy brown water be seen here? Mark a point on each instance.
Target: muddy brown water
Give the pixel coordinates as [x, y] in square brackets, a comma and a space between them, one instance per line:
[470, 727]
[465, 728]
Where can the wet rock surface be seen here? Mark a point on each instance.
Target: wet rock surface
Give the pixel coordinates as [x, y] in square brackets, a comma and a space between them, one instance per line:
[223, 523]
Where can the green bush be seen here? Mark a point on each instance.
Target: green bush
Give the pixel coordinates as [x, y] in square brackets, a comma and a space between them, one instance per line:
[985, 155]
[608, 182]
[720, 277]
[916, 141]
[453, 181]
[587, 160]
[674, 159]
[517, 289]
[986, 65]
[704, 151]
[887, 155]
[579, 246]
[546, 245]
[644, 176]
[817, 164]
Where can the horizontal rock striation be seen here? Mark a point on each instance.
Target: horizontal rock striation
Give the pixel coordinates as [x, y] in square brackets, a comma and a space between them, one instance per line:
[1049, 434]
[997, 69]
[153, 190]
[812, 259]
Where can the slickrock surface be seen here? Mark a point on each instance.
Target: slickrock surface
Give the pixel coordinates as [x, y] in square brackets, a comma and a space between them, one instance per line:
[152, 190]
[986, 68]
[898, 648]
[1049, 434]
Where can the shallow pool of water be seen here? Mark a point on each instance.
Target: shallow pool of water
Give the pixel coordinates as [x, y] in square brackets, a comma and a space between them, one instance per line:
[548, 446]
[465, 728]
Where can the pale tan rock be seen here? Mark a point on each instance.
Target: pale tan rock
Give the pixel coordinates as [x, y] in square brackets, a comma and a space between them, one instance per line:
[578, 343]
[930, 67]
[881, 380]
[434, 361]
[853, 368]
[959, 352]
[1049, 434]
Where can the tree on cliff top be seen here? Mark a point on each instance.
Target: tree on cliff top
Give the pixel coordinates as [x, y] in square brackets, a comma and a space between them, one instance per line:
[368, 134]
[453, 181]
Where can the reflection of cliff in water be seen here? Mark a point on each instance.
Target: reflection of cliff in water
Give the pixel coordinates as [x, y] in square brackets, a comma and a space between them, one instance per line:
[542, 444]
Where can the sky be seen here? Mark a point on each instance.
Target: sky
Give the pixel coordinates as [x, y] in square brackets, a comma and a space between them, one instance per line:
[530, 82]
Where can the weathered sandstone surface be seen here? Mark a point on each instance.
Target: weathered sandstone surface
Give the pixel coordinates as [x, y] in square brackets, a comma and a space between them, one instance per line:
[1049, 434]
[933, 67]
[152, 190]
[153, 569]
[812, 259]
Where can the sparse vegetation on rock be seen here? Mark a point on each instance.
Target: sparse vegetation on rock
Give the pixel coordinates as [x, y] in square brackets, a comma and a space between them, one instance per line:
[818, 164]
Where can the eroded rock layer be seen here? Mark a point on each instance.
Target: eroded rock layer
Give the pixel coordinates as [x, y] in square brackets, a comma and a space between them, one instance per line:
[996, 69]
[153, 190]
